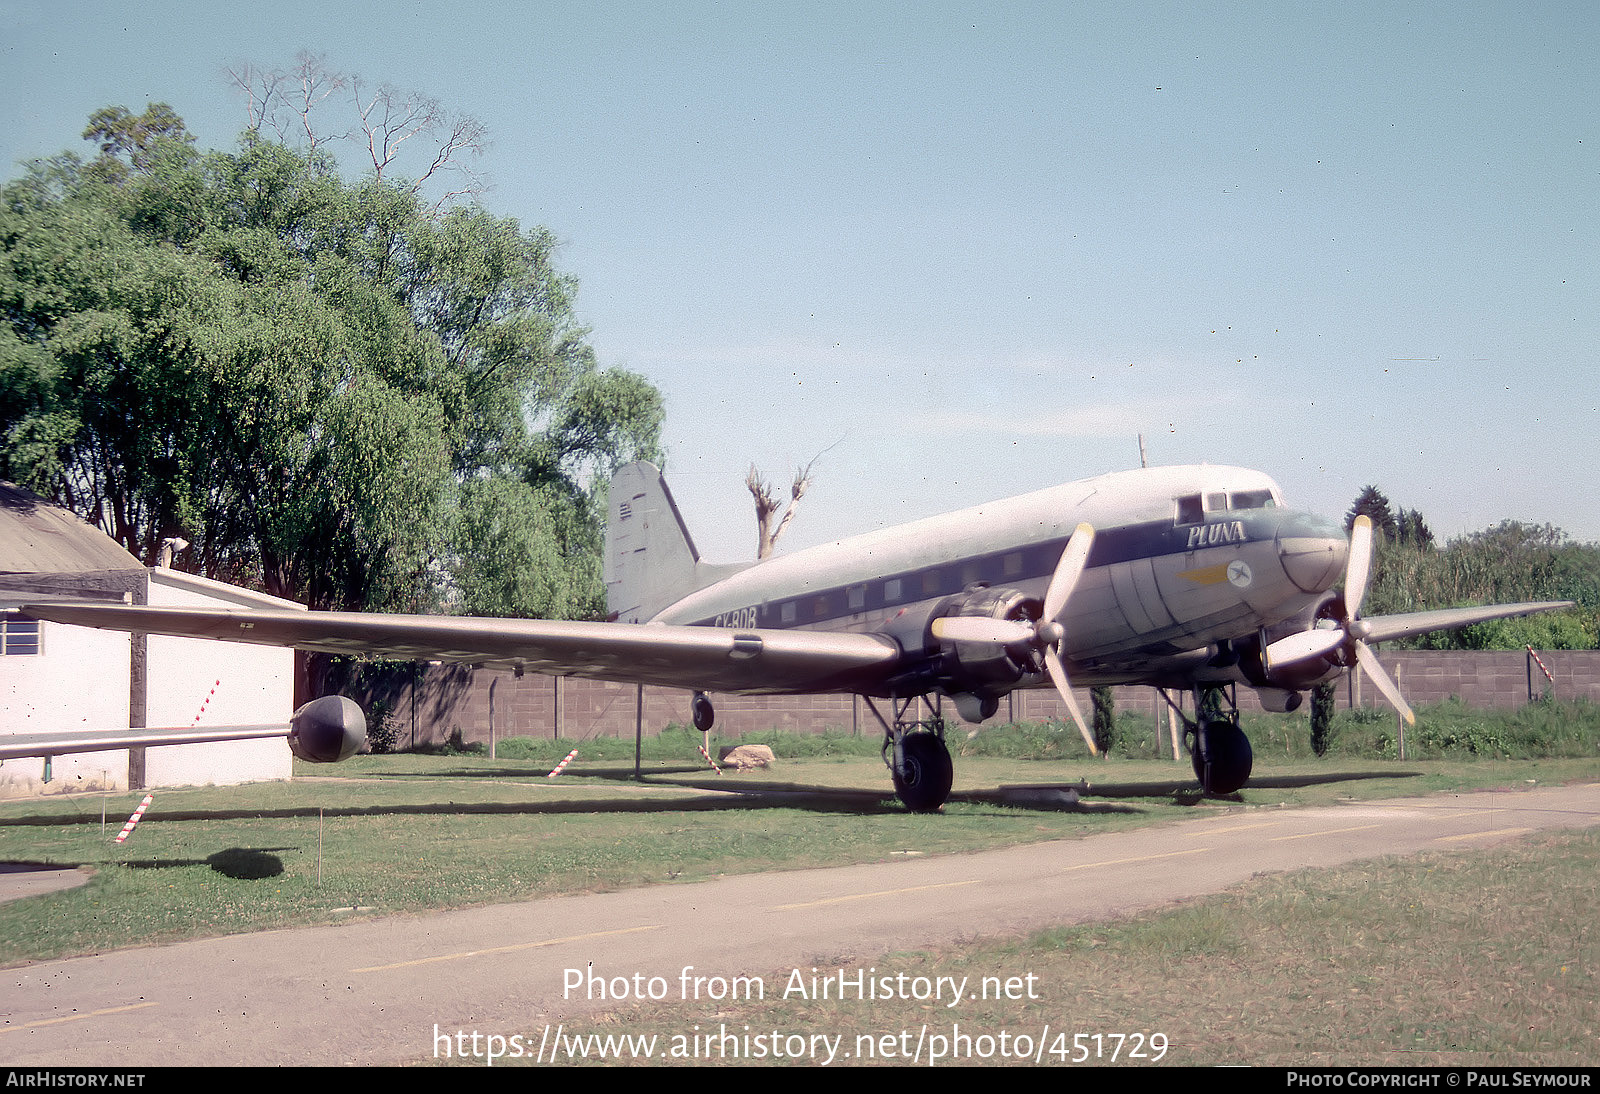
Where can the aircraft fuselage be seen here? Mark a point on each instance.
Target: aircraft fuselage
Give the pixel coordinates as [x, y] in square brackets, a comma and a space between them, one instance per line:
[1184, 558]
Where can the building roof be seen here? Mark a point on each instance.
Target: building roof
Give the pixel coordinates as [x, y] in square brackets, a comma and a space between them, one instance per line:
[38, 537]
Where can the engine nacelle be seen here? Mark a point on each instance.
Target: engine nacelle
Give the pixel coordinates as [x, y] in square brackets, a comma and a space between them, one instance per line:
[976, 674]
[1291, 678]
[327, 730]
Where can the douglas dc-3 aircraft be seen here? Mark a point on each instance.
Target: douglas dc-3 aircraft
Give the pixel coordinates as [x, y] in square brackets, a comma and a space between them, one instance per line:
[1177, 577]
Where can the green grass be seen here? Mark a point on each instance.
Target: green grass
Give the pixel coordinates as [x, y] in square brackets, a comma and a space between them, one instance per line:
[402, 833]
[1481, 958]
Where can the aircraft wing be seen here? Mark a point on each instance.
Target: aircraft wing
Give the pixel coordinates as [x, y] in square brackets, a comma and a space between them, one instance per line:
[701, 658]
[21, 745]
[1386, 628]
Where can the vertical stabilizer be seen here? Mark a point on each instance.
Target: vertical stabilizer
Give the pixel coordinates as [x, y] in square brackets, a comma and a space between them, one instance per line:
[651, 559]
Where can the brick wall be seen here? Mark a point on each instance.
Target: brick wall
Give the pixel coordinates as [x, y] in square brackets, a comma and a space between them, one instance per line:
[430, 705]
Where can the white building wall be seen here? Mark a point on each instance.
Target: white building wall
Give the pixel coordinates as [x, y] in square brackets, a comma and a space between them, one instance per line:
[192, 681]
[79, 679]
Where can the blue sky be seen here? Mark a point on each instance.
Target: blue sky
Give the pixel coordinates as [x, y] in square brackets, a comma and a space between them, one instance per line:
[968, 250]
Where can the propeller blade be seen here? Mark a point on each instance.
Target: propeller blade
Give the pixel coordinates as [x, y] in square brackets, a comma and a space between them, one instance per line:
[1068, 570]
[1301, 646]
[1359, 569]
[1375, 671]
[1058, 676]
[978, 628]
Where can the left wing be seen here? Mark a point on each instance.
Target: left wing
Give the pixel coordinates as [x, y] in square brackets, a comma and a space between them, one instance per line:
[323, 731]
[701, 658]
[19, 745]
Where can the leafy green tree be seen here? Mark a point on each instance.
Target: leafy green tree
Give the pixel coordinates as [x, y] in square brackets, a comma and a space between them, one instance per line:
[1373, 504]
[1322, 707]
[1105, 717]
[333, 392]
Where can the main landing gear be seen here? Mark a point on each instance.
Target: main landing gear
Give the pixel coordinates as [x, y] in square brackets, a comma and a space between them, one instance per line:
[915, 753]
[1218, 747]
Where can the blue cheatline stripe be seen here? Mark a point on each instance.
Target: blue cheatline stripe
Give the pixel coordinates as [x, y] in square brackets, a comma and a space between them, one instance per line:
[1033, 561]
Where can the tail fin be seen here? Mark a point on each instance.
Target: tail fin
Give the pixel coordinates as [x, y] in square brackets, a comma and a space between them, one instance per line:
[651, 561]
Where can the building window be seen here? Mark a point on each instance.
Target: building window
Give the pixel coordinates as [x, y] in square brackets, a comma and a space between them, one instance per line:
[19, 637]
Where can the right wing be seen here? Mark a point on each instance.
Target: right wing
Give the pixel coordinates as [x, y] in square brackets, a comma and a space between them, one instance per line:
[1386, 628]
[698, 658]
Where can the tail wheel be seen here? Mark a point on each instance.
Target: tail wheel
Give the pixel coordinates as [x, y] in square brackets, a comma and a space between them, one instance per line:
[923, 772]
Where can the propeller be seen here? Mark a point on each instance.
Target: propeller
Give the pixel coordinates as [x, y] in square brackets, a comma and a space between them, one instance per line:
[1350, 632]
[1050, 632]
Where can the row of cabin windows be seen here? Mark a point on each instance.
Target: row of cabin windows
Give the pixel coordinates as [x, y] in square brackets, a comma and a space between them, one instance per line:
[1191, 509]
[896, 590]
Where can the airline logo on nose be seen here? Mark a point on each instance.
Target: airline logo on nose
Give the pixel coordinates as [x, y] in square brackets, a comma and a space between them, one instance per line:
[1209, 535]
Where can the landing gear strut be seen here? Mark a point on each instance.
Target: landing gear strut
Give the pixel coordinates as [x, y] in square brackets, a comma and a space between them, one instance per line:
[1218, 747]
[916, 756]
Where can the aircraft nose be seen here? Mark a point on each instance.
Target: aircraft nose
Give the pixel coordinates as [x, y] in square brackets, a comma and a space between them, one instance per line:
[1313, 551]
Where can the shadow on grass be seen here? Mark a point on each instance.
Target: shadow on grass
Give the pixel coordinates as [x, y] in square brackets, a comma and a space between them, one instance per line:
[243, 863]
[751, 794]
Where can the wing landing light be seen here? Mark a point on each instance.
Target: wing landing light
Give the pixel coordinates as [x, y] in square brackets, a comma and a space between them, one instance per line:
[1050, 632]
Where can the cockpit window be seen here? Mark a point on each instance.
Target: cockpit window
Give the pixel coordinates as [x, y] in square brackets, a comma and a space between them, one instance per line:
[1189, 511]
[1252, 499]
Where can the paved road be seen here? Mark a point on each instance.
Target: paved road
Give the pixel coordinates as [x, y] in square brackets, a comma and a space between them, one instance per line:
[373, 992]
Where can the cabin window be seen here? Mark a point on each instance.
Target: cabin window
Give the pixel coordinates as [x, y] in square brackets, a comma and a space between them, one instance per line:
[788, 612]
[891, 590]
[19, 637]
[1013, 564]
[858, 598]
[819, 607]
[930, 583]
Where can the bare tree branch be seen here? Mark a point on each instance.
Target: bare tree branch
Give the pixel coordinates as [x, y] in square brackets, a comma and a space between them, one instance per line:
[294, 105]
[767, 504]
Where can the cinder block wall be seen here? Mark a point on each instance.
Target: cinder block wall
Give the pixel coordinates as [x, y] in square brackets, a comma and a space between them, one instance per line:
[430, 705]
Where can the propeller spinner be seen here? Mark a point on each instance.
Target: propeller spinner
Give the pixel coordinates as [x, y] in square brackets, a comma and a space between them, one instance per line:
[1351, 630]
[1050, 632]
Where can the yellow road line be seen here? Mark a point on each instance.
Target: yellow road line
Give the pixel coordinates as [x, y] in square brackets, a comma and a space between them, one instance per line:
[78, 1017]
[1141, 858]
[1233, 828]
[1327, 832]
[1486, 832]
[506, 949]
[869, 896]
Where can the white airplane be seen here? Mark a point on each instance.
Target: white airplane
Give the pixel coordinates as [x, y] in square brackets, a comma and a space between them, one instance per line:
[1178, 577]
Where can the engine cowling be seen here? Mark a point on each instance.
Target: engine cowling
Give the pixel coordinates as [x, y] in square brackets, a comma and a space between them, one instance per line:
[327, 730]
[1297, 677]
[977, 674]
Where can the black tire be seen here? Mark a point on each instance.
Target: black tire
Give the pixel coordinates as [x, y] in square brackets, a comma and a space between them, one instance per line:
[1222, 757]
[923, 777]
[703, 713]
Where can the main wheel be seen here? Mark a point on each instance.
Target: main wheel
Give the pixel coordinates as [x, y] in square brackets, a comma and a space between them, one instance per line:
[923, 775]
[1222, 757]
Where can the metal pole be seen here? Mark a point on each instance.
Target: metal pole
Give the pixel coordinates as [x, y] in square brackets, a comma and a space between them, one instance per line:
[638, 731]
